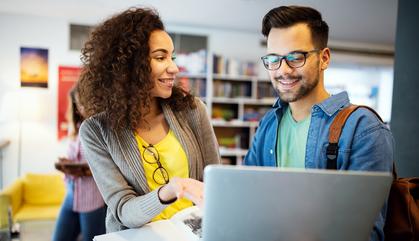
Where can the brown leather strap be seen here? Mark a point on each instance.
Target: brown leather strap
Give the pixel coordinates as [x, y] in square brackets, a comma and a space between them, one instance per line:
[336, 130]
[340, 120]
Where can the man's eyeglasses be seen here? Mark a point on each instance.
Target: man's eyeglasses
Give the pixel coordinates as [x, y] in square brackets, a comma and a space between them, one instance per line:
[151, 156]
[294, 59]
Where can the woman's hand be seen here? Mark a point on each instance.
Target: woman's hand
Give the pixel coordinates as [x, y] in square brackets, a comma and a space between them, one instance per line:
[193, 190]
[183, 187]
[58, 165]
[63, 160]
[71, 168]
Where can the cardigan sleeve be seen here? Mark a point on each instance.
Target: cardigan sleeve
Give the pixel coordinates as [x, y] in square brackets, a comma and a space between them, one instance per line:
[210, 144]
[128, 207]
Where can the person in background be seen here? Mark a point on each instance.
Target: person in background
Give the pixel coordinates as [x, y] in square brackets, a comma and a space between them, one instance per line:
[294, 133]
[147, 141]
[83, 211]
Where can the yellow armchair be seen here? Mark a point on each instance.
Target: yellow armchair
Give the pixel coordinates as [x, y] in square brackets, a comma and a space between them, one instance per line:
[35, 196]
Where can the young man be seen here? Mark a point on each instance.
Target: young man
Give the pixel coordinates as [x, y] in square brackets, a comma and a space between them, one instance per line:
[295, 132]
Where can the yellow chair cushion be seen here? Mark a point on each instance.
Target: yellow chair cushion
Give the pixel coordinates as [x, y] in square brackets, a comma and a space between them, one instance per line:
[37, 212]
[14, 192]
[43, 189]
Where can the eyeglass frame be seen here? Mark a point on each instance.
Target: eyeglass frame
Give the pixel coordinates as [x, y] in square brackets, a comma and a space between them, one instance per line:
[285, 57]
[157, 161]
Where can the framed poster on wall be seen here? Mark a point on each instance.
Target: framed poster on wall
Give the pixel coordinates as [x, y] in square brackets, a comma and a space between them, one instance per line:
[33, 67]
[67, 78]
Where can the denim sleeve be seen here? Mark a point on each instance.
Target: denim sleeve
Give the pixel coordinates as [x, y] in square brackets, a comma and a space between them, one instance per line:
[260, 153]
[372, 150]
[252, 155]
[377, 233]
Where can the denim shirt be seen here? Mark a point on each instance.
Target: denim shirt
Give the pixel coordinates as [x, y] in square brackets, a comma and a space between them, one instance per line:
[365, 143]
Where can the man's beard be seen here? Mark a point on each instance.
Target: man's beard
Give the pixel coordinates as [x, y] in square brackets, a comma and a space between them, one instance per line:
[304, 89]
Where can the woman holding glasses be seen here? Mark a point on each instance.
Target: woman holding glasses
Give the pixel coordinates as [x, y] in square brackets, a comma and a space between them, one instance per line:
[147, 141]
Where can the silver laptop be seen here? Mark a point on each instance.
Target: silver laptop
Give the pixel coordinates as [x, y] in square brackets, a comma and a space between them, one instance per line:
[263, 203]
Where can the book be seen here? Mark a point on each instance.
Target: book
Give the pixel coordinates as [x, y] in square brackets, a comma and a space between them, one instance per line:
[185, 225]
[78, 169]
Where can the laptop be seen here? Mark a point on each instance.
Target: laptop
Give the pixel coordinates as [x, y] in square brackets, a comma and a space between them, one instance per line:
[267, 204]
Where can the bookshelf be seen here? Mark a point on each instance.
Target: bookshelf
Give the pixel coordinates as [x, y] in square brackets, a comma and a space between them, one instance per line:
[238, 104]
[235, 97]
[235, 107]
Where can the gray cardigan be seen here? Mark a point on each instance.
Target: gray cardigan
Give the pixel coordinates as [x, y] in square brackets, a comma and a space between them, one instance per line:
[117, 168]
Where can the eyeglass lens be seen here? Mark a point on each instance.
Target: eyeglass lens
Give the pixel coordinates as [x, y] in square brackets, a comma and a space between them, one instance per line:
[160, 176]
[151, 156]
[294, 60]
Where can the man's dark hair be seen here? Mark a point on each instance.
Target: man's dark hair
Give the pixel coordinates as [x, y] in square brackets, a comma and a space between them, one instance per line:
[287, 16]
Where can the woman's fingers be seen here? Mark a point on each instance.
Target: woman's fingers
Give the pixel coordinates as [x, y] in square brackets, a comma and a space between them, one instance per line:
[193, 190]
[197, 199]
[188, 188]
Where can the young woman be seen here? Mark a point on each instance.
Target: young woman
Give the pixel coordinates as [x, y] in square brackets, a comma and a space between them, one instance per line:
[83, 211]
[147, 141]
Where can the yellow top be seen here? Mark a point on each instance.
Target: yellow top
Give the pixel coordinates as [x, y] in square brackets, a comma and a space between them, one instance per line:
[173, 158]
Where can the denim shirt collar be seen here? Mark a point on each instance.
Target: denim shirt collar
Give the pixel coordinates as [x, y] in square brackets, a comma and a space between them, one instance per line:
[329, 106]
[334, 103]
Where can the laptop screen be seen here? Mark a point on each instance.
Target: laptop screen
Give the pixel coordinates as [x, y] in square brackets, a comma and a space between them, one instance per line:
[265, 203]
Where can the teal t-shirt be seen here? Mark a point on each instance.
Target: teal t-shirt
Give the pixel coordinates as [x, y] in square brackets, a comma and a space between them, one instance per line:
[292, 140]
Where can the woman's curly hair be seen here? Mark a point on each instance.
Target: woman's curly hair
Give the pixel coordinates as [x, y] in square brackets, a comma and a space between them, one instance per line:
[116, 73]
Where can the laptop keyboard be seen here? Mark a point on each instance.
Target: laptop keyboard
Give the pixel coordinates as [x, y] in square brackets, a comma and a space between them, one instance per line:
[195, 223]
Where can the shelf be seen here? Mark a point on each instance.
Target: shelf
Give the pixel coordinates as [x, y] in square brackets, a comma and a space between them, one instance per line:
[244, 100]
[235, 97]
[192, 76]
[263, 101]
[232, 151]
[233, 123]
[264, 80]
[227, 100]
[233, 77]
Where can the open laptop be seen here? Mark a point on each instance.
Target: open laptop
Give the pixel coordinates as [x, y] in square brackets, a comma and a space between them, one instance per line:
[263, 203]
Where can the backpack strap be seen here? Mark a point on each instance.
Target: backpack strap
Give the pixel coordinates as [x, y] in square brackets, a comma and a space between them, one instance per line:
[335, 131]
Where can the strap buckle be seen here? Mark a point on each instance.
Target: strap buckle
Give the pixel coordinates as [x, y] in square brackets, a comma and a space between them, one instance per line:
[332, 155]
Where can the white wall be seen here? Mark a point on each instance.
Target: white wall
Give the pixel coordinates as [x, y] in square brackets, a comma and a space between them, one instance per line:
[39, 146]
